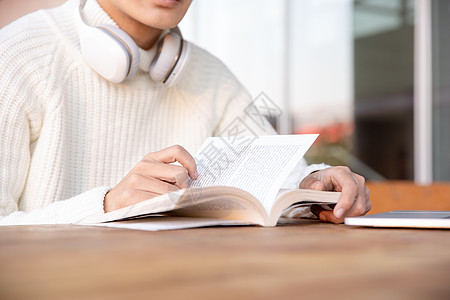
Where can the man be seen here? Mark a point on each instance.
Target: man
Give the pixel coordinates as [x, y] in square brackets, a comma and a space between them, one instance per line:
[69, 134]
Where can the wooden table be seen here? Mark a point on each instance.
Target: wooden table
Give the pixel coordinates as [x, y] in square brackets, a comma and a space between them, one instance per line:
[306, 260]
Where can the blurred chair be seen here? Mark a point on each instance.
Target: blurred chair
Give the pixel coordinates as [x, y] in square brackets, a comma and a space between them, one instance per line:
[405, 195]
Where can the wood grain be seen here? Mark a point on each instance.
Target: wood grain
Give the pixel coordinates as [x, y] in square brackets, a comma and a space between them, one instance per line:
[307, 259]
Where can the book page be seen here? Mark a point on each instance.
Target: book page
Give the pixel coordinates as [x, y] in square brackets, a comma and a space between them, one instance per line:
[258, 166]
[227, 203]
[160, 222]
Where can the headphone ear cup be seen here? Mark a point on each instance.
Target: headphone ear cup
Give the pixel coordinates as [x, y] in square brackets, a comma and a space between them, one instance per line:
[110, 52]
[166, 58]
[180, 66]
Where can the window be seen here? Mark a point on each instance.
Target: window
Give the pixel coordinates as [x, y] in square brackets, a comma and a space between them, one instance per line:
[343, 68]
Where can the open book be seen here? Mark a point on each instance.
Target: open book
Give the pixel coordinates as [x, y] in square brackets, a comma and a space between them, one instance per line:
[239, 182]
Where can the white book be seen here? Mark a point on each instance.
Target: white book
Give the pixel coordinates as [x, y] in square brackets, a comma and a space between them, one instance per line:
[239, 183]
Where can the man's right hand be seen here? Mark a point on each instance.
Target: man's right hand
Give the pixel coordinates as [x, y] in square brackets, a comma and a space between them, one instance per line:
[153, 176]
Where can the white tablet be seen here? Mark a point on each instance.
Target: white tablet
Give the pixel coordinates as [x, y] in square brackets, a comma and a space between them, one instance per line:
[404, 218]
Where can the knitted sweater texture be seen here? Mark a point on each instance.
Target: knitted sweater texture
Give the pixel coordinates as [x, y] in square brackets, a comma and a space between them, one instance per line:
[68, 135]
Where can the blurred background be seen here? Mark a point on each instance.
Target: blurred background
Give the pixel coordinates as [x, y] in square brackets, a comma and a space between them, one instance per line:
[371, 76]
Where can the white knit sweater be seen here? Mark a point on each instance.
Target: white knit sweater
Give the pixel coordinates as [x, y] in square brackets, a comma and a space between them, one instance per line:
[68, 135]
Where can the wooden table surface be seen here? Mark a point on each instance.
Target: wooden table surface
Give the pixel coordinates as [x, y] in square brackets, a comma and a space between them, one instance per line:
[306, 260]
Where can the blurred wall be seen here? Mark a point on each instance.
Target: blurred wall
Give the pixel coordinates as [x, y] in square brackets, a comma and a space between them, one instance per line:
[383, 68]
[11, 10]
[441, 90]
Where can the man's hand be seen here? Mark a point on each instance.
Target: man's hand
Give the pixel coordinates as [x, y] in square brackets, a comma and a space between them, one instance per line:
[153, 176]
[354, 199]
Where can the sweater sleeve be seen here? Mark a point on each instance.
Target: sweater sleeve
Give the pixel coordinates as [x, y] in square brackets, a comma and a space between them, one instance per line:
[17, 128]
[23, 61]
[73, 210]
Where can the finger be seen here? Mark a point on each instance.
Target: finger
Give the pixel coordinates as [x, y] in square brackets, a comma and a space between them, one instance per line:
[177, 175]
[368, 203]
[362, 204]
[318, 180]
[313, 183]
[328, 216]
[359, 208]
[180, 178]
[349, 193]
[318, 186]
[127, 197]
[150, 184]
[179, 154]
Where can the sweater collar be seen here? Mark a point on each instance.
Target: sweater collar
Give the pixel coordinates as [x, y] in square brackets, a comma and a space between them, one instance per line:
[94, 15]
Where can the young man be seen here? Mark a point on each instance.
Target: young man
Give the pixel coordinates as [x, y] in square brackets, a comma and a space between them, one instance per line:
[75, 144]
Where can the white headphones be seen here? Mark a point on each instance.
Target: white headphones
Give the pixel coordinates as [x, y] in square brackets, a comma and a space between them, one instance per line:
[113, 54]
